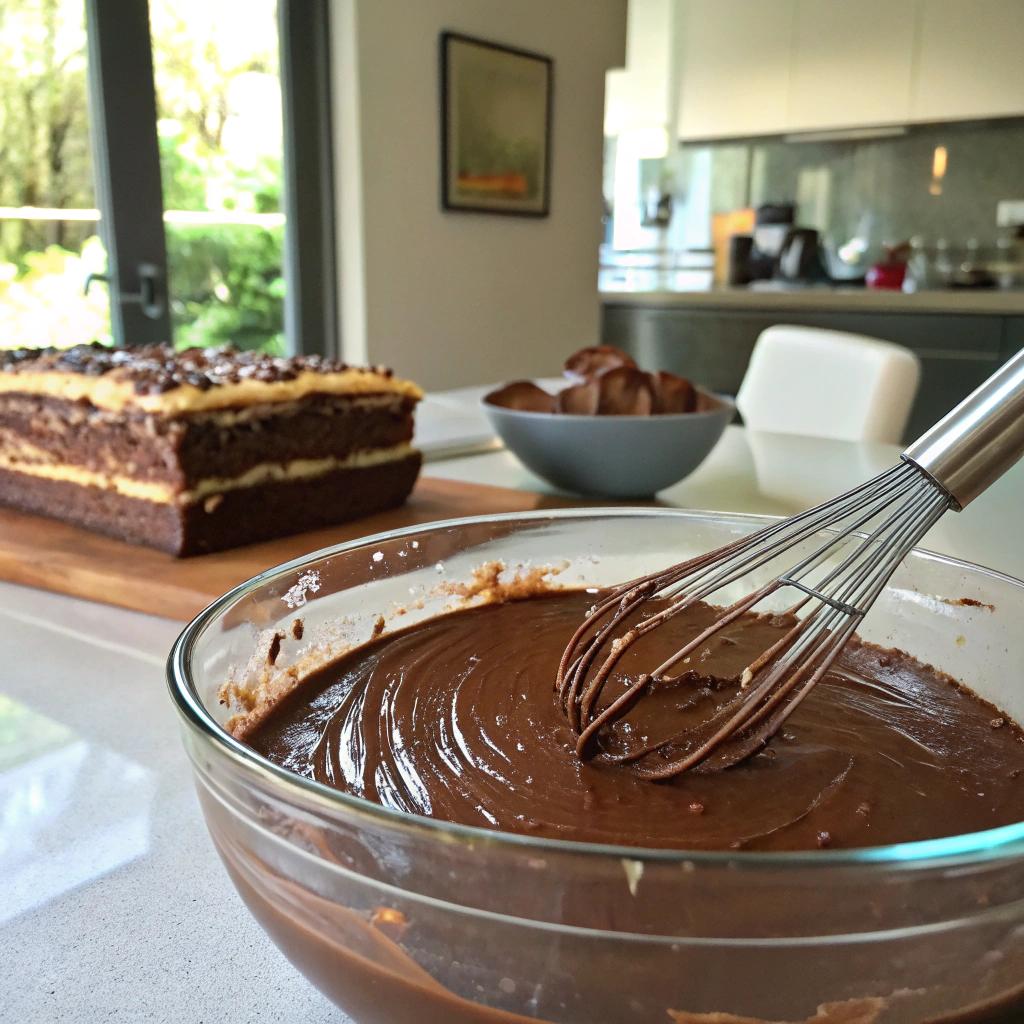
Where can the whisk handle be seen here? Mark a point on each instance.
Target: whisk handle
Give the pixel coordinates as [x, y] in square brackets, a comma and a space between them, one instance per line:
[976, 443]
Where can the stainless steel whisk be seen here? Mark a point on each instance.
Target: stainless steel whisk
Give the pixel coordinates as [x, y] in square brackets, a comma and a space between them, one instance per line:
[880, 522]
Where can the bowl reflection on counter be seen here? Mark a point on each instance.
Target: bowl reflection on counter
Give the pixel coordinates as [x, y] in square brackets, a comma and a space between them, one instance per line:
[398, 918]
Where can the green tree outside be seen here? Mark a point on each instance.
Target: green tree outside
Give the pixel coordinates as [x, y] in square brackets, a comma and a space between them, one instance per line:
[226, 280]
[44, 129]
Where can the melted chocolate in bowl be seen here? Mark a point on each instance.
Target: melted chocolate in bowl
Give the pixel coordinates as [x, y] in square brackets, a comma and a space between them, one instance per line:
[455, 719]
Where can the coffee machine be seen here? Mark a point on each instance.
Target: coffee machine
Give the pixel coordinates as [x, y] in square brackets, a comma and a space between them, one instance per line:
[777, 250]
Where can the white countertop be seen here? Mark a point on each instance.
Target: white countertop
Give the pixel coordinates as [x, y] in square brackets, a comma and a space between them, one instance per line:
[113, 904]
[659, 289]
[778, 474]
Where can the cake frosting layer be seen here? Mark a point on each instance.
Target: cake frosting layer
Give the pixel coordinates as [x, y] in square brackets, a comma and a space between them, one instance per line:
[158, 379]
[163, 493]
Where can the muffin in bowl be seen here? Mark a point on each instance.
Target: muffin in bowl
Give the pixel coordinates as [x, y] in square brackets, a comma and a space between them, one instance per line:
[609, 429]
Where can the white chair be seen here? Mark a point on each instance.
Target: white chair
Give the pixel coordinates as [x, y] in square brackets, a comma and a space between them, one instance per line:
[804, 380]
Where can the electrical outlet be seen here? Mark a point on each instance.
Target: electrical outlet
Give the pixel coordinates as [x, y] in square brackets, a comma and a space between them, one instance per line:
[1009, 213]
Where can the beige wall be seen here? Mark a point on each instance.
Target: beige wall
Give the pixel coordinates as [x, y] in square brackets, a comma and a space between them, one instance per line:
[450, 299]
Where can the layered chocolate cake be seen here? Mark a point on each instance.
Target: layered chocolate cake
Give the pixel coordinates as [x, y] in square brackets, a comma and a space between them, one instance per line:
[201, 450]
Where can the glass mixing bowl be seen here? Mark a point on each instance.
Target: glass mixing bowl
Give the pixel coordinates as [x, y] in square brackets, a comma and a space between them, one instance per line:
[398, 918]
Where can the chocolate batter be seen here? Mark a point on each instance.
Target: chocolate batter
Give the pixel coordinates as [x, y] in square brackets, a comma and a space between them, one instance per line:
[456, 719]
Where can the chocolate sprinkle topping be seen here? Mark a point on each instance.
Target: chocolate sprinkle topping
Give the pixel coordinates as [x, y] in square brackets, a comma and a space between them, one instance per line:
[155, 369]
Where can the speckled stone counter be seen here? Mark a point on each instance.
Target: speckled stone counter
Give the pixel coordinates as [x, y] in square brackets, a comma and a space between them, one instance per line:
[113, 904]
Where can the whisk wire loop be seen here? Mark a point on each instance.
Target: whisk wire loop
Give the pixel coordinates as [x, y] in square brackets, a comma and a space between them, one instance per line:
[857, 540]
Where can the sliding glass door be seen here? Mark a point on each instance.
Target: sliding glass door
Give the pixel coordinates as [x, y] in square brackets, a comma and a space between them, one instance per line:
[183, 220]
[49, 221]
[127, 163]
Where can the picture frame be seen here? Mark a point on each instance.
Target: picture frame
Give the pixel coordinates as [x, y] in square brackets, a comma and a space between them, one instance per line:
[496, 108]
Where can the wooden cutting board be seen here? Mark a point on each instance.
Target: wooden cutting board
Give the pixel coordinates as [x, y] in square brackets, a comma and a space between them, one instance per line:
[44, 553]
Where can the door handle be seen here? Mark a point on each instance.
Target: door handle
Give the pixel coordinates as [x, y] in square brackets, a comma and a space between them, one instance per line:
[148, 296]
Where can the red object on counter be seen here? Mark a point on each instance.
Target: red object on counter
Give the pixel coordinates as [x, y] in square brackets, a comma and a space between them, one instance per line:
[891, 271]
[886, 275]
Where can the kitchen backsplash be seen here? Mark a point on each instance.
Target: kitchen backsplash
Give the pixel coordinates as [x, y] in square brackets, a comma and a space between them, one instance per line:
[935, 182]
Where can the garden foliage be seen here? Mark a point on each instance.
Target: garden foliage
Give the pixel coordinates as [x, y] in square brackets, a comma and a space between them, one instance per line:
[226, 280]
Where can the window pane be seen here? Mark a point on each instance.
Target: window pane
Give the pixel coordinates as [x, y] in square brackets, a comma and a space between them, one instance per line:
[219, 102]
[48, 220]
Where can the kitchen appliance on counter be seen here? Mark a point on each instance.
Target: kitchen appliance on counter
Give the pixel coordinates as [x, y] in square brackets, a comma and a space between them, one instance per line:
[800, 258]
[772, 224]
[737, 260]
[778, 250]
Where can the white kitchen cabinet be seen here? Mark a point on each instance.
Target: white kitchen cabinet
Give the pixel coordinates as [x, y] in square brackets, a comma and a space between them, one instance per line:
[852, 63]
[734, 67]
[636, 96]
[969, 61]
[769, 67]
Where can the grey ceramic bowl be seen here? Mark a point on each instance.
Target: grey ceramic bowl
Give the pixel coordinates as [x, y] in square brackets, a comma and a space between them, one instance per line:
[611, 456]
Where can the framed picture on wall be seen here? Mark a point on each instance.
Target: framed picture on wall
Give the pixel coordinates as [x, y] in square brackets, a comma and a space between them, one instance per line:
[495, 128]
